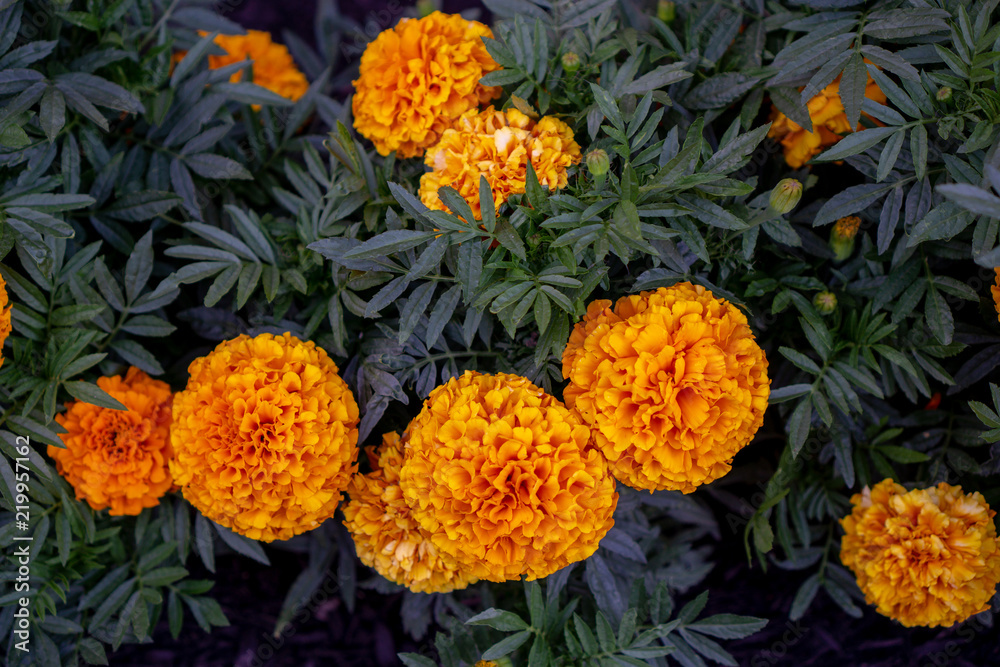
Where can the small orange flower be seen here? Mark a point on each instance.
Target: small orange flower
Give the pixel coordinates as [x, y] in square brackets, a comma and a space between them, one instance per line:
[273, 67]
[847, 228]
[386, 535]
[829, 122]
[265, 436]
[672, 383]
[926, 557]
[504, 478]
[995, 289]
[4, 316]
[118, 458]
[418, 78]
[498, 145]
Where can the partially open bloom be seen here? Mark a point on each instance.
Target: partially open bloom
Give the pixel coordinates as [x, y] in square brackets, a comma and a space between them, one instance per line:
[842, 236]
[273, 67]
[505, 478]
[265, 436]
[925, 557]
[386, 535]
[118, 458]
[995, 289]
[4, 316]
[418, 78]
[672, 383]
[498, 145]
[829, 121]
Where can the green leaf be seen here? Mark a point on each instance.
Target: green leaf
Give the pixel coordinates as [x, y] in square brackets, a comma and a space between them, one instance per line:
[902, 454]
[855, 143]
[507, 645]
[91, 393]
[853, 80]
[242, 545]
[799, 423]
[141, 206]
[92, 651]
[498, 619]
[608, 106]
[509, 239]
[728, 626]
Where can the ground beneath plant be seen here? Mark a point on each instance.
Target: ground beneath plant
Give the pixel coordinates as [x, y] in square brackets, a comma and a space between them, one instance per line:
[371, 635]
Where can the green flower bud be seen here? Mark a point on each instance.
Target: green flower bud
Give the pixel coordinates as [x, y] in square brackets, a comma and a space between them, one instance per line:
[825, 302]
[785, 196]
[666, 11]
[944, 94]
[570, 62]
[426, 7]
[842, 237]
[598, 162]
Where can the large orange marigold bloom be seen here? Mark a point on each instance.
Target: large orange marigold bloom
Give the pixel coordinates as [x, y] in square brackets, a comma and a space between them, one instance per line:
[386, 535]
[118, 458]
[265, 436]
[829, 122]
[273, 66]
[498, 145]
[924, 557]
[505, 479]
[4, 316]
[672, 383]
[418, 78]
[995, 289]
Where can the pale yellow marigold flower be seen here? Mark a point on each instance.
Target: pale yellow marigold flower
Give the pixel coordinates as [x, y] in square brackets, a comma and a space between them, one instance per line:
[418, 78]
[118, 459]
[265, 436]
[925, 557]
[5, 327]
[387, 537]
[829, 122]
[672, 383]
[498, 145]
[505, 479]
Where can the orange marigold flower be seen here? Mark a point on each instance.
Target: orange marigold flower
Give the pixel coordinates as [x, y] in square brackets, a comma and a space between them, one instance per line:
[498, 145]
[994, 289]
[4, 316]
[386, 535]
[672, 383]
[925, 557]
[118, 458]
[829, 121]
[273, 67]
[265, 436]
[504, 478]
[418, 78]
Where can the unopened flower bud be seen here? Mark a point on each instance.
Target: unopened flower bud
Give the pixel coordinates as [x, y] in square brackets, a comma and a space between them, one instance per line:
[570, 61]
[666, 11]
[944, 94]
[598, 162]
[785, 196]
[825, 302]
[426, 8]
[842, 237]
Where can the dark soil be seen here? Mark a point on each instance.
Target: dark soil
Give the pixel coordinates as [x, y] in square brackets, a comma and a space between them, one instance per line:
[329, 634]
